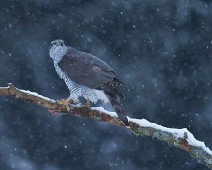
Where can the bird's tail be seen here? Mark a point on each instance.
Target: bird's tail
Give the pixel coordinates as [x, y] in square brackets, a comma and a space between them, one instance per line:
[117, 107]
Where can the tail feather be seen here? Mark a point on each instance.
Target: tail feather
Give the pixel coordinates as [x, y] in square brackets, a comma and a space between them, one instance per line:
[117, 107]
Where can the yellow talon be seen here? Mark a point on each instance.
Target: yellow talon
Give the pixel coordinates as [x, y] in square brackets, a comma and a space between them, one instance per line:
[88, 104]
[65, 103]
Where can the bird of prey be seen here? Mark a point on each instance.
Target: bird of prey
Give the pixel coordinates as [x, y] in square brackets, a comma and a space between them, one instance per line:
[86, 76]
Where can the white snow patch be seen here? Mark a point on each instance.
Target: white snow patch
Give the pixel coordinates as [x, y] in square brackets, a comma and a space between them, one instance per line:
[36, 94]
[178, 133]
[101, 109]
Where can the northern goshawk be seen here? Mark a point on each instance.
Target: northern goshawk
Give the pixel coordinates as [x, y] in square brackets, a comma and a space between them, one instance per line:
[87, 76]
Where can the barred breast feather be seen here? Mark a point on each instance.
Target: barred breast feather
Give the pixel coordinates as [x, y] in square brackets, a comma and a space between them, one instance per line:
[78, 90]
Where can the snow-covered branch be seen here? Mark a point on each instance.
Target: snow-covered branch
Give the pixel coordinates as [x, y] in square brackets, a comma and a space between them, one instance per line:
[180, 138]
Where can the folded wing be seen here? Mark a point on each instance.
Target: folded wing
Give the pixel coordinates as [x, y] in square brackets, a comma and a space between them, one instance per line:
[90, 71]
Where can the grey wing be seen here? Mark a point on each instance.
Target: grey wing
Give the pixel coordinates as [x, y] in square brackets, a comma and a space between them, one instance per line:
[86, 69]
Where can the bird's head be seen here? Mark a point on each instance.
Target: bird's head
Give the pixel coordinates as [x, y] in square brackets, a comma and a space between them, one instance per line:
[57, 50]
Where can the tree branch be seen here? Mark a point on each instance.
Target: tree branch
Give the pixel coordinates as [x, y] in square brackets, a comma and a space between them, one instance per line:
[180, 138]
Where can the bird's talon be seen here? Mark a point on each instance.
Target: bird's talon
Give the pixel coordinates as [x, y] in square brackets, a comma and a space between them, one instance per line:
[61, 101]
[88, 104]
[68, 108]
[65, 103]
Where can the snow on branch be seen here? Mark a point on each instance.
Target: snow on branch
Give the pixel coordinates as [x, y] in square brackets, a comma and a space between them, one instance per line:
[180, 138]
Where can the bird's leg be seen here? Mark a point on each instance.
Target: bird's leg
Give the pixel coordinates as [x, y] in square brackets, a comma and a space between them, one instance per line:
[88, 104]
[65, 102]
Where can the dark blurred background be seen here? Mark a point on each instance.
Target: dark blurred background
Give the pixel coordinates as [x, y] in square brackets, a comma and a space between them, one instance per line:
[160, 49]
